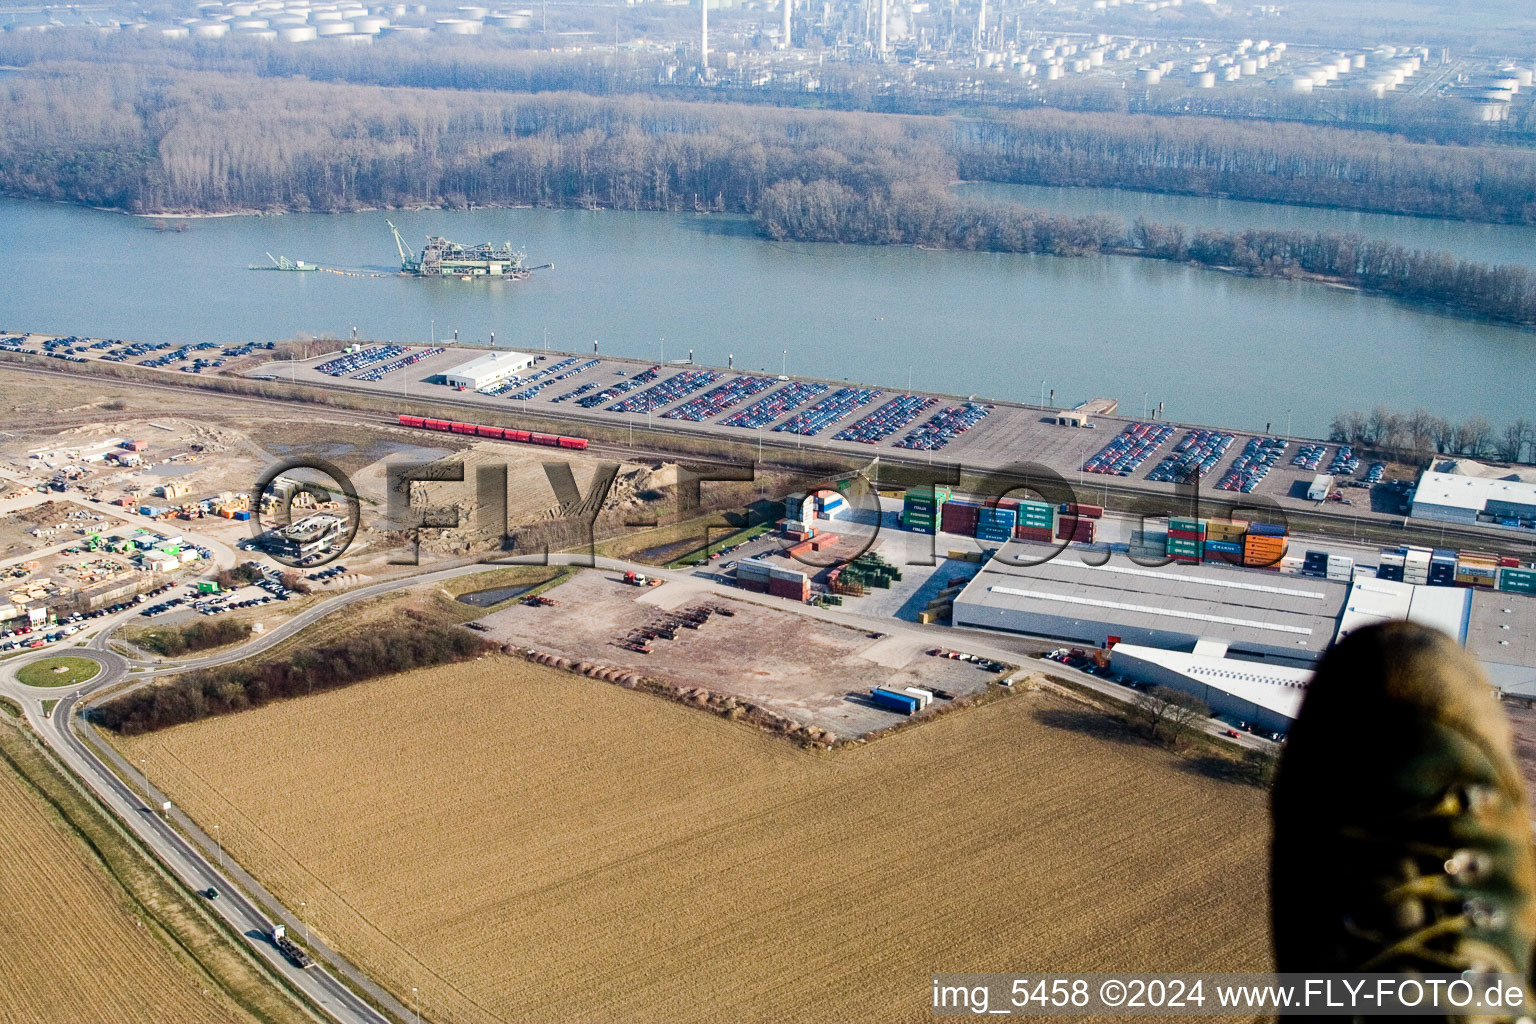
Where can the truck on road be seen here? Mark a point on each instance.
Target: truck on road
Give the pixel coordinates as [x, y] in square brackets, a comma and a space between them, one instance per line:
[290, 949]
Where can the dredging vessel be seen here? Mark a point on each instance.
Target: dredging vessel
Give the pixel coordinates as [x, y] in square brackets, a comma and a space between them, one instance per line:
[444, 258]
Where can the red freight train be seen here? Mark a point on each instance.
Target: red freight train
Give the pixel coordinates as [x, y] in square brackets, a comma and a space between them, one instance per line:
[498, 433]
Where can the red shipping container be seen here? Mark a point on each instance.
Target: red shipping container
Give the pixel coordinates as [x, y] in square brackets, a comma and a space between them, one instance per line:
[754, 585]
[1076, 530]
[1187, 534]
[826, 540]
[1506, 562]
[959, 519]
[798, 590]
[1083, 511]
[1035, 533]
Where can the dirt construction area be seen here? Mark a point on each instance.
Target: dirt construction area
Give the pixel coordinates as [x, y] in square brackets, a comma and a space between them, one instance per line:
[808, 669]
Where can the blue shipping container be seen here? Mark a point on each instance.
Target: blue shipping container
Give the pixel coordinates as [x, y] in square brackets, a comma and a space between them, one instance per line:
[901, 703]
[1266, 530]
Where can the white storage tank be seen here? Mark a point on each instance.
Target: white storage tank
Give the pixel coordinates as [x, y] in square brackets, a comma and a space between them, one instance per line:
[297, 33]
[250, 24]
[473, 13]
[355, 39]
[1149, 76]
[327, 29]
[458, 26]
[1203, 80]
[242, 10]
[1250, 66]
[175, 32]
[1301, 83]
[210, 30]
[264, 35]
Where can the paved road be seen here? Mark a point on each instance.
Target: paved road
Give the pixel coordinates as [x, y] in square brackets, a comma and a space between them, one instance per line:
[186, 861]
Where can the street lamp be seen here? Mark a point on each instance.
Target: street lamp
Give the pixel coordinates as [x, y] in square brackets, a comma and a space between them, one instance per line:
[1042, 394]
[1144, 396]
[304, 920]
[784, 364]
[218, 841]
[416, 1004]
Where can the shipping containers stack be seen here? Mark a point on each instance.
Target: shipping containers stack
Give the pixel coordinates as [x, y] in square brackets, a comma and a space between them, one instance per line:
[1416, 565]
[996, 523]
[1036, 521]
[831, 506]
[1475, 569]
[1079, 531]
[1515, 580]
[959, 517]
[1389, 566]
[800, 507]
[1264, 545]
[1186, 539]
[1315, 563]
[1341, 568]
[1442, 568]
[922, 507]
[890, 700]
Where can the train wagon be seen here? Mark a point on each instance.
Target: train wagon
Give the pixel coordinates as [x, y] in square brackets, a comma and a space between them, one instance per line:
[496, 433]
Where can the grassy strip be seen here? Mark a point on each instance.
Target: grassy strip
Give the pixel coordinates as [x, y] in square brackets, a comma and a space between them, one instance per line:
[41, 673]
[9, 707]
[200, 940]
[49, 705]
[703, 554]
[173, 641]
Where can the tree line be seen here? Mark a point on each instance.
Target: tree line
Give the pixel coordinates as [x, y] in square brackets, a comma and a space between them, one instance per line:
[418, 643]
[200, 636]
[1420, 434]
[827, 211]
[282, 128]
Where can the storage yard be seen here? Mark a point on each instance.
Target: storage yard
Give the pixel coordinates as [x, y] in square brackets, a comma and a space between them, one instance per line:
[551, 888]
[809, 670]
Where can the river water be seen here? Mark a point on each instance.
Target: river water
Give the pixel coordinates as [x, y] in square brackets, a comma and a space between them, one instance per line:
[1213, 348]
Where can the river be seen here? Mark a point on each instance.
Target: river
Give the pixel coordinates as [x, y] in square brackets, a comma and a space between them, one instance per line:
[1213, 348]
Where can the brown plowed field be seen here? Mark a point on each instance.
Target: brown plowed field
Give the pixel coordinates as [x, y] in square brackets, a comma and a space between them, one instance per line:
[520, 844]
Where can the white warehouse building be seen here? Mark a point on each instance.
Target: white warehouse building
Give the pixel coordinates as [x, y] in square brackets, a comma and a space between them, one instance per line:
[491, 368]
[1456, 498]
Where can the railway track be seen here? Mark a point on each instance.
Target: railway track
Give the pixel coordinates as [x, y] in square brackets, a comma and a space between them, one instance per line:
[797, 454]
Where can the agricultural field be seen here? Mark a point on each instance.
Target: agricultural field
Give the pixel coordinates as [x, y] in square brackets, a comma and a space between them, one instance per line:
[76, 949]
[522, 844]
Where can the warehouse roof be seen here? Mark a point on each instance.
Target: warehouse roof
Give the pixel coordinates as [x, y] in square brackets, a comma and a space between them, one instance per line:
[490, 363]
[1277, 688]
[1501, 633]
[1453, 490]
[1221, 603]
[1374, 600]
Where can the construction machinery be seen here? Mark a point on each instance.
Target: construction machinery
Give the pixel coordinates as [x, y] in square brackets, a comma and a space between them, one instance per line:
[284, 263]
[443, 258]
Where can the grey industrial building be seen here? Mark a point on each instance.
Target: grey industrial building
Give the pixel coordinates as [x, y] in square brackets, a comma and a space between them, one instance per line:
[1468, 500]
[1257, 615]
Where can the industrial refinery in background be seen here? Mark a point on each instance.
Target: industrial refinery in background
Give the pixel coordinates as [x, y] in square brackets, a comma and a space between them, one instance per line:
[986, 51]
